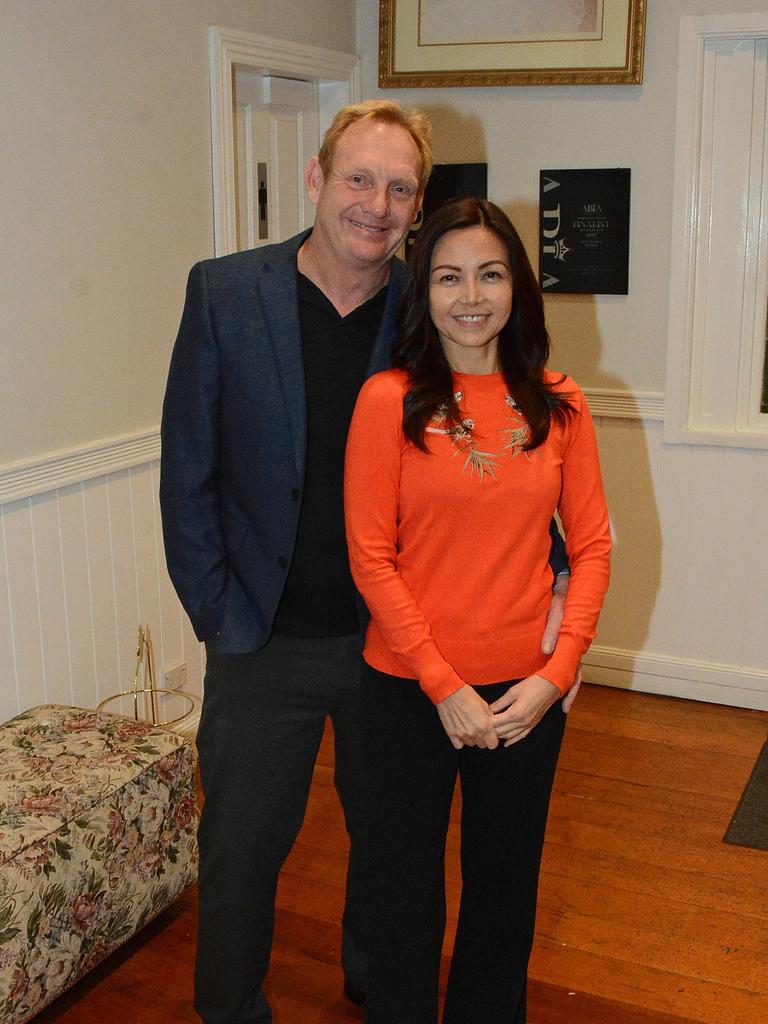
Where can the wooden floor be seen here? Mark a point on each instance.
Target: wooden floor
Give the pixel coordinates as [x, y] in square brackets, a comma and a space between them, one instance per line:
[645, 916]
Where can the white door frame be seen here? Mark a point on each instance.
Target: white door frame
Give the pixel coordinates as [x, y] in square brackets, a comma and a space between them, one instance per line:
[337, 75]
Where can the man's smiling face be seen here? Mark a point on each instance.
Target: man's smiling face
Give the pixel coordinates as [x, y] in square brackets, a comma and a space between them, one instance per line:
[370, 197]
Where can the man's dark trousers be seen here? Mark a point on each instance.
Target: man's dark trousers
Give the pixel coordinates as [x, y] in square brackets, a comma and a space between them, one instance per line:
[261, 727]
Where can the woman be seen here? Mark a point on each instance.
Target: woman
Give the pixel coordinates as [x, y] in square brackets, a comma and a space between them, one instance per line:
[457, 459]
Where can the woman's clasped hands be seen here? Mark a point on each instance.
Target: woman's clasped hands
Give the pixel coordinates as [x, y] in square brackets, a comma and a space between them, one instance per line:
[467, 719]
[522, 707]
[470, 722]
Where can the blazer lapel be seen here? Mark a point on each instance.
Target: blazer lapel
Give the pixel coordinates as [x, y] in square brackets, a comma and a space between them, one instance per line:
[278, 292]
[280, 304]
[381, 357]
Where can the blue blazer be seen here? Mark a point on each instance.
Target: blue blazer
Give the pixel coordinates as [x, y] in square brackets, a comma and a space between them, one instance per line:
[234, 440]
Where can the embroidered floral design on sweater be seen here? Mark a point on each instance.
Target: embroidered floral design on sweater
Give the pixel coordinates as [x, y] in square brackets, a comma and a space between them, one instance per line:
[479, 462]
[517, 435]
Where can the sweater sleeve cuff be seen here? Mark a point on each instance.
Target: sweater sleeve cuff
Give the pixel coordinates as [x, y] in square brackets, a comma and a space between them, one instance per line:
[561, 667]
[440, 684]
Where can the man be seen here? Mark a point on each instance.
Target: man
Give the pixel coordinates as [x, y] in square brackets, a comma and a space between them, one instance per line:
[273, 347]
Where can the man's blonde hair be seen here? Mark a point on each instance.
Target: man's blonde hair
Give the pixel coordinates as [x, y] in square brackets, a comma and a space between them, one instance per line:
[389, 112]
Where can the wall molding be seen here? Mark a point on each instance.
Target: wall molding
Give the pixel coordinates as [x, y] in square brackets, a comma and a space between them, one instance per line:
[28, 477]
[708, 681]
[625, 405]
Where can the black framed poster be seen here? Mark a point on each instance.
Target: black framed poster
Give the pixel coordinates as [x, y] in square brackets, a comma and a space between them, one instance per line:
[446, 182]
[584, 231]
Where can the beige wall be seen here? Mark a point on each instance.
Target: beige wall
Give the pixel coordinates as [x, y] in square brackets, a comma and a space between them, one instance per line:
[604, 341]
[105, 199]
[105, 202]
[686, 609]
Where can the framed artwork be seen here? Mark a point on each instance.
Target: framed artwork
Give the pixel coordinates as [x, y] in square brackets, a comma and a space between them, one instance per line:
[426, 43]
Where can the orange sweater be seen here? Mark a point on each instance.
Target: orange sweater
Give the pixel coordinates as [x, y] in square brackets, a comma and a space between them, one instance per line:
[450, 549]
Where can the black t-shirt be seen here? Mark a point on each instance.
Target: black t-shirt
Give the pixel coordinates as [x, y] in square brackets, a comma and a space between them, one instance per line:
[319, 598]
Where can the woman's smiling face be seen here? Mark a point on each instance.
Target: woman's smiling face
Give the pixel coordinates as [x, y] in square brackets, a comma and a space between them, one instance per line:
[470, 297]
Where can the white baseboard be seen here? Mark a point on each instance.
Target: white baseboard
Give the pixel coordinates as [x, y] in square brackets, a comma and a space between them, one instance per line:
[733, 685]
[189, 725]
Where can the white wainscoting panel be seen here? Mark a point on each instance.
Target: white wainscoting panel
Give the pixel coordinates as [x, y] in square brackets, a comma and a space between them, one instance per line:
[28, 684]
[80, 613]
[81, 567]
[49, 587]
[9, 690]
[688, 603]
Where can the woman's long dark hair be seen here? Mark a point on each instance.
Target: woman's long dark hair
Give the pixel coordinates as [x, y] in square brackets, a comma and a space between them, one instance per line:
[523, 341]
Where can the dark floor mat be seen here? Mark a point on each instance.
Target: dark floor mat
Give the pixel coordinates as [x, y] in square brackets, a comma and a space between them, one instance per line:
[749, 824]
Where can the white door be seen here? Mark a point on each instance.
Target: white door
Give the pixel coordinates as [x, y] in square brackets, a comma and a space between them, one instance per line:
[276, 132]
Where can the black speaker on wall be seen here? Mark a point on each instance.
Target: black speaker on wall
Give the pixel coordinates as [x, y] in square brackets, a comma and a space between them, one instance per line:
[449, 181]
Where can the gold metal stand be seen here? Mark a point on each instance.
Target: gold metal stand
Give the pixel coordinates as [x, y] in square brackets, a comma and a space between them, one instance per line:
[146, 670]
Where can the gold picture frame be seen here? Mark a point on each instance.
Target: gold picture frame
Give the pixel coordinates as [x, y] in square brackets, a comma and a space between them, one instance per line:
[427, 43]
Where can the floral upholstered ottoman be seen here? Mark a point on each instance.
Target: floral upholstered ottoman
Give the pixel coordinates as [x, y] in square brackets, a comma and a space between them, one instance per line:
[98, 820]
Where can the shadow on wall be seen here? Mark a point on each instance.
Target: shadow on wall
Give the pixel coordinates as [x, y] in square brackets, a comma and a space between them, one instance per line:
[636, 559]
[456, 137]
